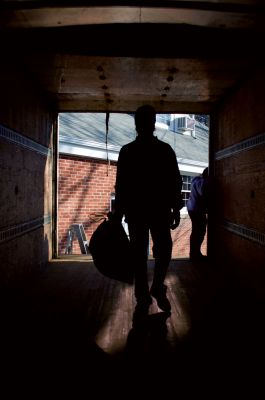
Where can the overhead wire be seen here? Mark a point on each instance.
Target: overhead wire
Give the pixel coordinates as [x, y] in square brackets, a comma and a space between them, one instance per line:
[106, 141]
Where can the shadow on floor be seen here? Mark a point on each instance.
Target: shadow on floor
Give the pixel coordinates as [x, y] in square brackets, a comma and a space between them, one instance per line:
[51, 325]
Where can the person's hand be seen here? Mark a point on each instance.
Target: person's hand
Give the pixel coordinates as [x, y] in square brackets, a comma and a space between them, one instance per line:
[175, 219]
[115, 217]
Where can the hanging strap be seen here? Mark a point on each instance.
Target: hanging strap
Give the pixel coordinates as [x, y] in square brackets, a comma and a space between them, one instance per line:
[107, 131]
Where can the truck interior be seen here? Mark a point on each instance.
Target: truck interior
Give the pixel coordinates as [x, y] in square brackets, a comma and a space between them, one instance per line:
[65, 324]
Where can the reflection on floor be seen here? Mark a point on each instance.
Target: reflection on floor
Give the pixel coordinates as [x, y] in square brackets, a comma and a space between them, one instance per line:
[71, 330]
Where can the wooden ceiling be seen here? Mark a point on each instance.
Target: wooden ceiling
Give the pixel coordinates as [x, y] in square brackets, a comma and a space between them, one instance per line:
[180, 56]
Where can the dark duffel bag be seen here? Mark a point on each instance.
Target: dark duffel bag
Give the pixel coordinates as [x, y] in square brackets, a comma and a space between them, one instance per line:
[109, 246]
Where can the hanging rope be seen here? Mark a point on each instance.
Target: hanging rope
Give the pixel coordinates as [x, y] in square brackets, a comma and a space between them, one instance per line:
[107, 151]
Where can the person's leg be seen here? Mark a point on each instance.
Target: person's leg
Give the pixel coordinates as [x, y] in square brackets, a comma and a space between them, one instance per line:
[198, 230]
[162, 249]
[139, 237]
[202, 223]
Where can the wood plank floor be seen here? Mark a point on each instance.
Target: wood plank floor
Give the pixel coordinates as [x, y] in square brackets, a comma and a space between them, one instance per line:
[71, 329]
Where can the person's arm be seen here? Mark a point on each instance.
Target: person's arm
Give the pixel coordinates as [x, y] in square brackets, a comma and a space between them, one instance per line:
[206, 193]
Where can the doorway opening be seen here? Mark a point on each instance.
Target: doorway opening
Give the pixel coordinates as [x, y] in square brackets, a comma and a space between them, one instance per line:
[89, 145]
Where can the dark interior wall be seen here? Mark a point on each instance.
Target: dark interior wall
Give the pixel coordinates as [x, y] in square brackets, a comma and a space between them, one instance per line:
[239, 169]
[26, 134]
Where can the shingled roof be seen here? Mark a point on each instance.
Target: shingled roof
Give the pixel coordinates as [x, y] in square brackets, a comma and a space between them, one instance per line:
[90, 129]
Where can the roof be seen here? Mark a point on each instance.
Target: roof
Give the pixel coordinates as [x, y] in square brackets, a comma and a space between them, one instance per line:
[89, 129]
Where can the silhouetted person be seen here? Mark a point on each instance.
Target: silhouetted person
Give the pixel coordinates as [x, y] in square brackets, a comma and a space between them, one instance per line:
[197, 206]
[148, 193]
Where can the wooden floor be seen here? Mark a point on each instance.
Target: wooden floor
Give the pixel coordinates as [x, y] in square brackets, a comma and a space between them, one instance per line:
[70, 329]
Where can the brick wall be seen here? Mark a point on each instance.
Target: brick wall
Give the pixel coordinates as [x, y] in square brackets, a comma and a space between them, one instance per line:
[85, 187]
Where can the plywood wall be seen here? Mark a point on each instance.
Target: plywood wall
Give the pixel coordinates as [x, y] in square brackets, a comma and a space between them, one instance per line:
[26, 127]
[238, 166]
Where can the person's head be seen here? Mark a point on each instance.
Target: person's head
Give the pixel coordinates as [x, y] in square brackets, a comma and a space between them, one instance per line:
[145, 118]
[205, 173]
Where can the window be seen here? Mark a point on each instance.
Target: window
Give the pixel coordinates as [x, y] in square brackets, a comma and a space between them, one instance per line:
[164, 118]
[112, 202]
[186, 185]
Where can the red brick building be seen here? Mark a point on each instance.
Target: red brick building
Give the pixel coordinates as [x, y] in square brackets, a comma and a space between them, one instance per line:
[87, 176]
